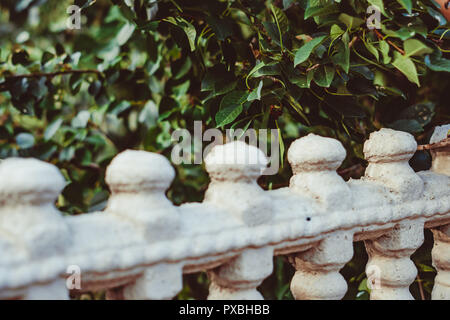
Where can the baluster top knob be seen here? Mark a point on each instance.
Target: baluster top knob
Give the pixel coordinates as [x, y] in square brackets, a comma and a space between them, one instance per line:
[440, 133]
[315, 153]
[387, 145]
[235, 160]
[134, 171]
[29, 180]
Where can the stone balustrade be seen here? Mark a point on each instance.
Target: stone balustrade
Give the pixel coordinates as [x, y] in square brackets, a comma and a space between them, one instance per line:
[141, 244]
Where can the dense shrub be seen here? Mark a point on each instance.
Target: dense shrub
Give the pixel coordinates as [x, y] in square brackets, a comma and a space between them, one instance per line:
[133, 73]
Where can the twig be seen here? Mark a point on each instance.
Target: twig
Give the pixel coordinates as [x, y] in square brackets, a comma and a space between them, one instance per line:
[440, 144]
[380, 36]
[355, 38]
[419, 282]
[313, 67]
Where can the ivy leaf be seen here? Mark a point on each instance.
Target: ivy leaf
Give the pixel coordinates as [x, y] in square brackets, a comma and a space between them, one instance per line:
[324, 76]
[304, 51]
[125, 33]
[320, 11]
[255, 68]
[364, 71]
[25, 140]
[222, 28]
[436, 63]
[380, 5]
[46, 57]
[407, 125]
[228, 115]
[303, 81]
[230, 107]
[281, 18]
[234, 98]
[52, 129]
[81, 119]
[256, 93]
[335, 32]
[371, 48]
[414, 47]
[349, 21]
[438, 16]
[407, 4]
[384, 48]
[422, 112]
[188, 29]
[342, 57]
[406, 66]
[361, 86]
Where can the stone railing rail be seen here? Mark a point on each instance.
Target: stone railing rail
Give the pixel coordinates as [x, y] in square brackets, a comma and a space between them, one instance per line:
[141, 244]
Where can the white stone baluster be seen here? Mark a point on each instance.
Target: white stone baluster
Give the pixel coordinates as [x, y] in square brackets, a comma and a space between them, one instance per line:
[234, 168]
[388, 152]
[441, 261]
[138, 181]
[314, 160]
[441, 248]
[28, 190]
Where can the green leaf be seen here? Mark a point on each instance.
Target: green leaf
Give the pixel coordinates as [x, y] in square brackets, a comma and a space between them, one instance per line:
[422, 112]
[384, 48]
[223, 28]
[280, 18]
[406, 66]
[436, 63]
[324, 75]
[425, 268]
[303, 81]
[304, 51]
[228, 115]
[52, 129]
[414, 47]
[81, 120]
[256, 93]
[320, 11]
[407, 125]
[254, 69]
[25, 140]
[371, 48]
[407, 4]
[380, 5]
[342, 57]
[125, 33]
[234, 98]
[335, 32]
[188, 29]
[364, 71]
[438, 16]
[46, 57]
[350, 22]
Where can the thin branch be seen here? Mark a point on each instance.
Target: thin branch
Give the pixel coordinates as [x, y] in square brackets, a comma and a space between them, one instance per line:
[313, 67]
[380, 36]
[355, 38]
[419, 282]
[441, 144]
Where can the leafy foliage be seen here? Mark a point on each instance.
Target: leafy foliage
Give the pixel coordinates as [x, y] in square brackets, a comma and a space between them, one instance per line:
[137, 70]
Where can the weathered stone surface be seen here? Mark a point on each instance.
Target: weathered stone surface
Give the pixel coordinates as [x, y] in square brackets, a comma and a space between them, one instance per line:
[140, 246]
